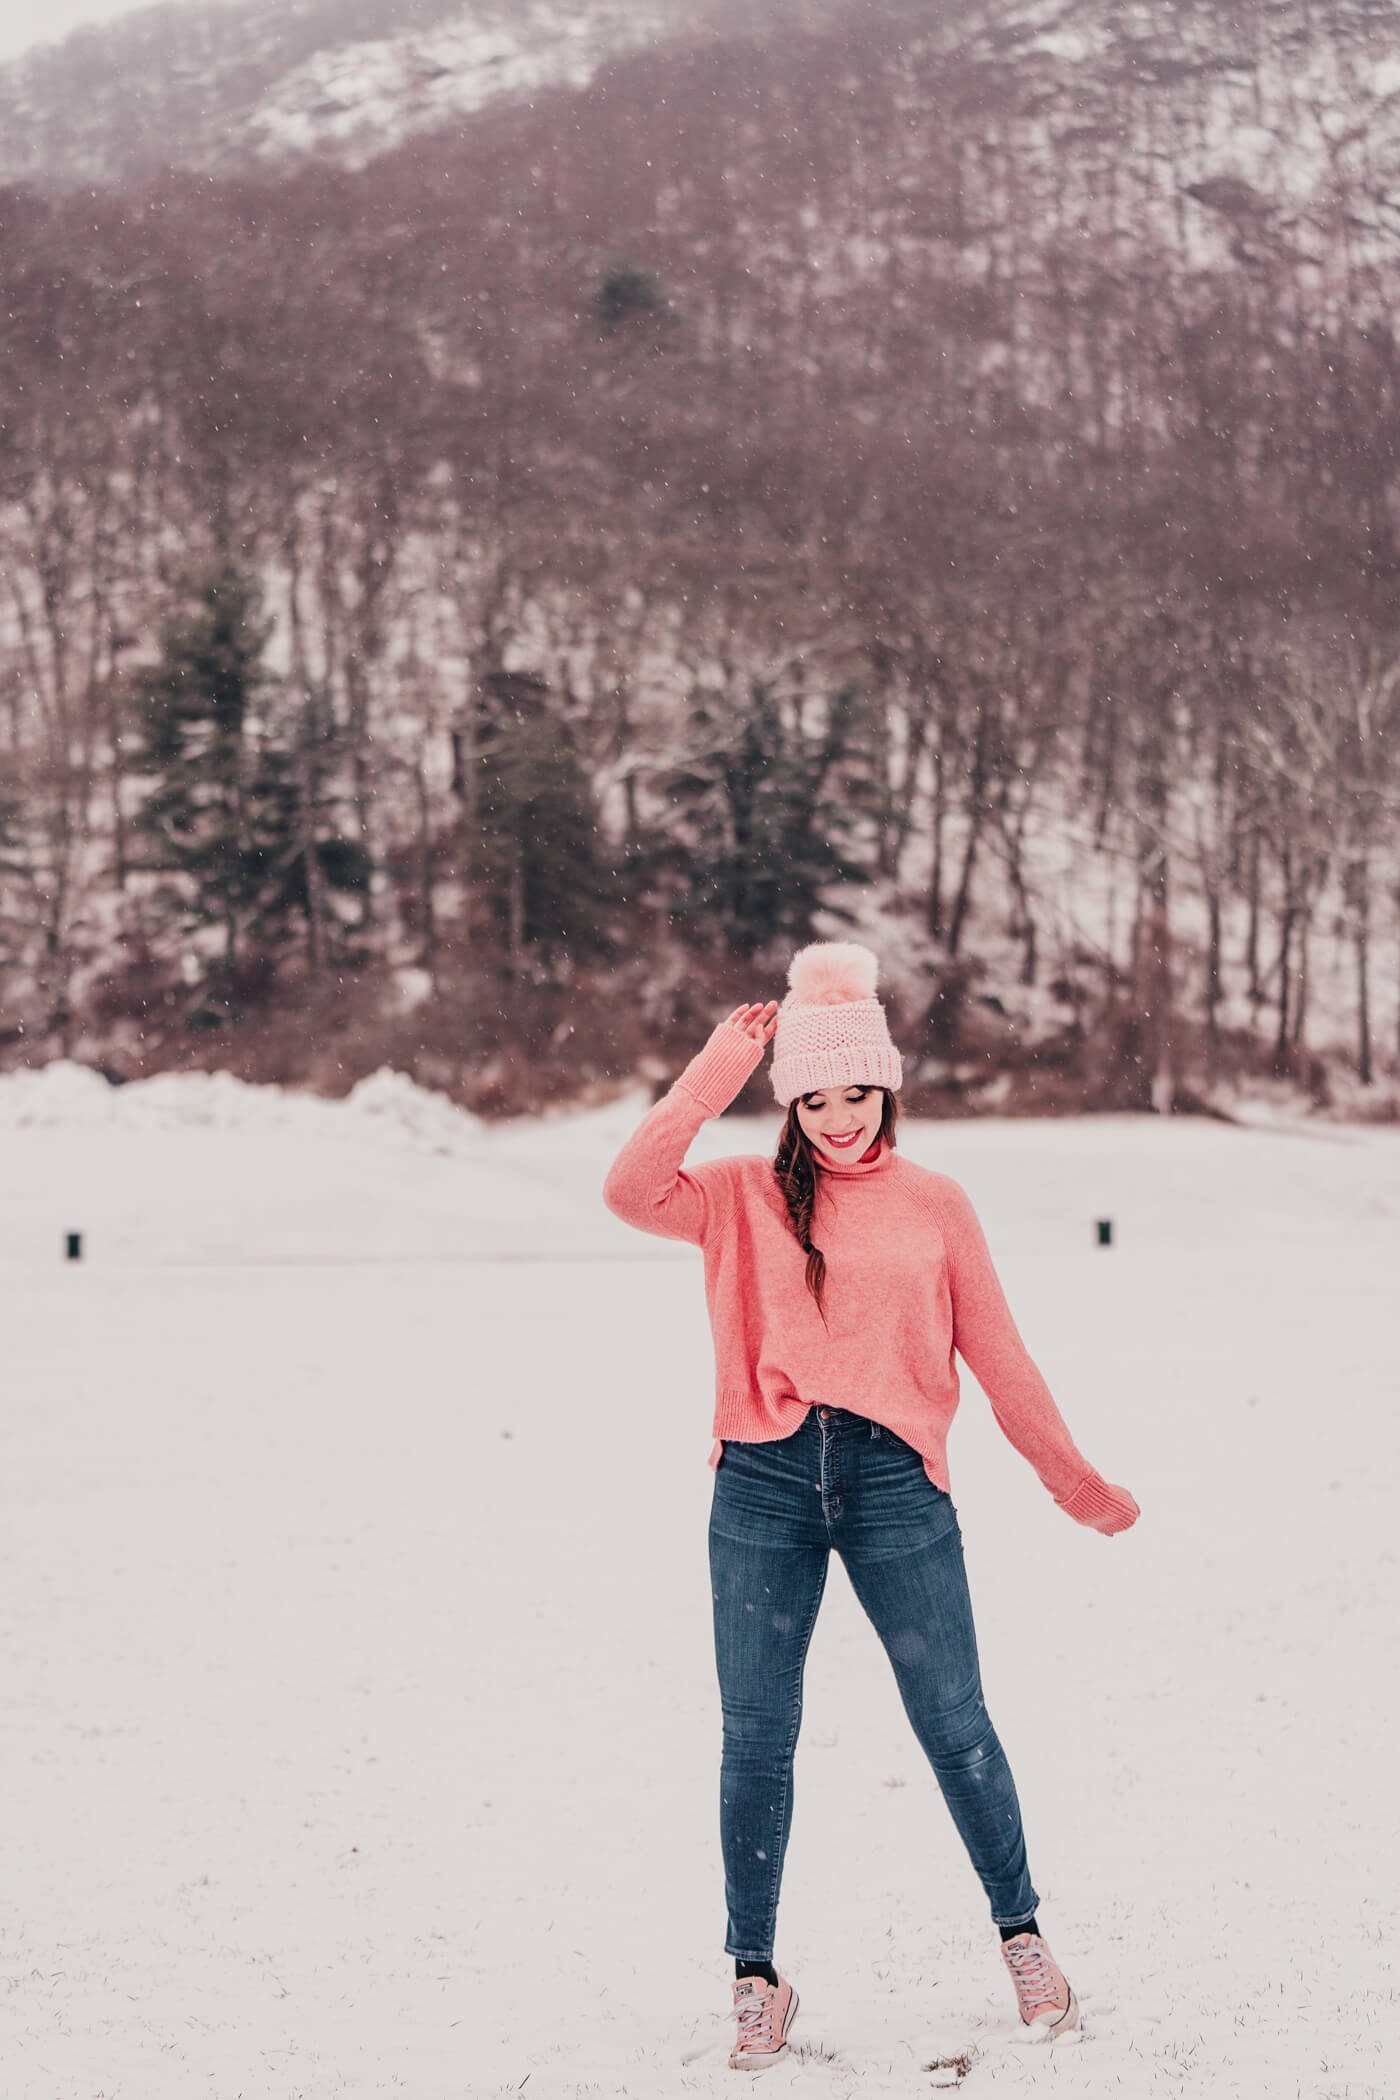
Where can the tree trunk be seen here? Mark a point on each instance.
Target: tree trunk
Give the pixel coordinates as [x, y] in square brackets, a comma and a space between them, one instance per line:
[935, 886]
[120, 864]
[1153, 960]
[311, 863]
[962, 903]
[1025, 929]
[1213, 969]
[516, 911]
[425, 866]
[1251, 947]
[1362, 941]
[976, 817]
[881, 755]
[903, 795]
[1285, 964]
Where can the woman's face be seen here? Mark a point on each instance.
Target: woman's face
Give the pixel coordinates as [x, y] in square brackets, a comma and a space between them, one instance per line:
[844, 1123]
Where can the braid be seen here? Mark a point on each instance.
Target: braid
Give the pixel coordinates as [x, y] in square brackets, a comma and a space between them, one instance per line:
[797, 1178]
[796, 1170]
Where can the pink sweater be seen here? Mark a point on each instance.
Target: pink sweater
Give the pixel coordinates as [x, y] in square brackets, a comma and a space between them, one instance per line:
[909, 1280]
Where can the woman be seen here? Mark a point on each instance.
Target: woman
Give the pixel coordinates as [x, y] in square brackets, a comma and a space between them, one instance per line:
[840, 1280]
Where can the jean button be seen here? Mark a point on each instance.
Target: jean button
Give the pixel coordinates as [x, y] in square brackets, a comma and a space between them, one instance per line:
[825, 1413]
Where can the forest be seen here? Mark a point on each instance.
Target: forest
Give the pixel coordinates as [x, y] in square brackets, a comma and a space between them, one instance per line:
[899, 476]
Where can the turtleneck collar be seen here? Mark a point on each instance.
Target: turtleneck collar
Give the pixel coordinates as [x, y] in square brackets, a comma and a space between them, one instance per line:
[839, 1171]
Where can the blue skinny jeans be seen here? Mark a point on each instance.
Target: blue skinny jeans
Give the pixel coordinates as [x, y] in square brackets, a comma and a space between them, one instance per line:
[845, 1482]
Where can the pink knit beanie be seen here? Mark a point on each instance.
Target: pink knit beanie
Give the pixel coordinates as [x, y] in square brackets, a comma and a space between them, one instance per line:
[831, 1027]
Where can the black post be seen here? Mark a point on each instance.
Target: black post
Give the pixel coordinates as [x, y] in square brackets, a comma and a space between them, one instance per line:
[1105, 1232]
[75, 1246]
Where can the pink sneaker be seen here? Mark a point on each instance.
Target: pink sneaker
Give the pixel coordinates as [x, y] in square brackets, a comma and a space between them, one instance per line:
[765, 2013]
[1045, 1998]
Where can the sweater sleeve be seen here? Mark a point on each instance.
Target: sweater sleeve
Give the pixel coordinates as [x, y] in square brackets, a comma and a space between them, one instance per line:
[986, 1337]
[647, 1185]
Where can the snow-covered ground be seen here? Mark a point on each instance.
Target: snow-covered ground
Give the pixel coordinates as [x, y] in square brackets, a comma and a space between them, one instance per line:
[358, 1733]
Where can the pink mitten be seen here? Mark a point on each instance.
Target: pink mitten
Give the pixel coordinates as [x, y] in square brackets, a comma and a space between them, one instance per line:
[1103, 1507]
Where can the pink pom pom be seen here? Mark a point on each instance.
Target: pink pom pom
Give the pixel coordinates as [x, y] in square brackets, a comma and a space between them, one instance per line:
[831, 972]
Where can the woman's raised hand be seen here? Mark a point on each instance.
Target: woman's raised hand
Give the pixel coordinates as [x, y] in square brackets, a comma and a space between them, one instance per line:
[756, 1021]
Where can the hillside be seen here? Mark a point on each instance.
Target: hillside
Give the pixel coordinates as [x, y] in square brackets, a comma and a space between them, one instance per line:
[1267, 95]
[936, 473]
[238, 83]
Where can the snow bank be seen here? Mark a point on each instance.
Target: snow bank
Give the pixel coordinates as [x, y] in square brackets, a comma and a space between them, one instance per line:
[66, 1096]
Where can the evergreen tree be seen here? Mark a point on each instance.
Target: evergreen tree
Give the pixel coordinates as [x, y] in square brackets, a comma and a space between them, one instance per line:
[761, 820]
[229, 813]
[16, 874]
[537, 853]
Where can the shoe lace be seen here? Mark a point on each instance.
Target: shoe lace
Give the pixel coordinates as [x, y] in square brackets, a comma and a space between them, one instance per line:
[754, 2012]
[1033, 1974]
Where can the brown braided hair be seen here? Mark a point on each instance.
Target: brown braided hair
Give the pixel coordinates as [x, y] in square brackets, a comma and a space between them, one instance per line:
[796, 1168]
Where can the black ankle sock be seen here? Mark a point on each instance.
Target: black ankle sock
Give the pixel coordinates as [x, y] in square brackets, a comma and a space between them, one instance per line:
[764, 1969]
[1012, 1932]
